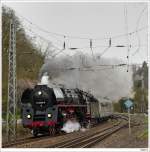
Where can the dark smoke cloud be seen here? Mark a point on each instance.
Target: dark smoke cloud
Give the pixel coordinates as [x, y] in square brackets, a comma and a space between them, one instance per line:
[102, 81]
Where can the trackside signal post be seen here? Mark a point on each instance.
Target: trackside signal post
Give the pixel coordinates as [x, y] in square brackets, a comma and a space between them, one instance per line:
[129, 121]
[128, 103]
[11, 103]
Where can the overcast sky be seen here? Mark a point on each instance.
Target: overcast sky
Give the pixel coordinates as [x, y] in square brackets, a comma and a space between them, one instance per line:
[91, 20]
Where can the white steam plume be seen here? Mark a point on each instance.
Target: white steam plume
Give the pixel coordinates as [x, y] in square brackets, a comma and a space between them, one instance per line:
[45, 79]
[113, 83]
[71, 126]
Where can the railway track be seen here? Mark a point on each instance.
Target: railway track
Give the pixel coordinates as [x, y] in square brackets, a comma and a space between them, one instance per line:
[27, 140]
[88, 140]
[20, 141]
[24, 142]
[125, 117]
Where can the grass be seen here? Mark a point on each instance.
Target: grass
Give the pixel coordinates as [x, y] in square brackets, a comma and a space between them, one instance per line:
[21, 132]
[144, 134]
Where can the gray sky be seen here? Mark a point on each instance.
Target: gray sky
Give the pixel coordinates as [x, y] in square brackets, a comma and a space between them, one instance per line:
[92, 20]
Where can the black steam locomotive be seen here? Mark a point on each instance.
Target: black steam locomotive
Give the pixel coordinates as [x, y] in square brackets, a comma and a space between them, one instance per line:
[45, 109]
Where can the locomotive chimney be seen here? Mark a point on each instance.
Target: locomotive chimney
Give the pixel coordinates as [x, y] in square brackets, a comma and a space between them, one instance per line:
[45, 79]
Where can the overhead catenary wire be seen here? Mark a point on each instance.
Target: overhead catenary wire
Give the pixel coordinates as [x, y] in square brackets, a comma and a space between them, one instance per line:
[61, 50]
[114, 83]
[110, 79]
[64, 36]
[97, 67]
[137, 33]
[38, 35]
[106, 49]
[73, 48]
[77, 37]
[85, 47]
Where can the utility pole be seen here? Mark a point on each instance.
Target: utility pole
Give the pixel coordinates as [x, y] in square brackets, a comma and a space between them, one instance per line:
[11, 103]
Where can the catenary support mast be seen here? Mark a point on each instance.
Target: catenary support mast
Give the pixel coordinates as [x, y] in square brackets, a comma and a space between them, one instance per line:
[11, 104]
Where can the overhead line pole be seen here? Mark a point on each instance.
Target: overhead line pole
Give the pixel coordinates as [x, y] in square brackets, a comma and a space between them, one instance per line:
[126, 27]
[11, 103]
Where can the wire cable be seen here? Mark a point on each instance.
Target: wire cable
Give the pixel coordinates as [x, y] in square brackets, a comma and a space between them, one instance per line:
[77, 37]
[137, 33]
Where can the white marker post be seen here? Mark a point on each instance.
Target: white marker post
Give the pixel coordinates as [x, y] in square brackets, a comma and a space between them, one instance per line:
[128, 103]
[129, 121]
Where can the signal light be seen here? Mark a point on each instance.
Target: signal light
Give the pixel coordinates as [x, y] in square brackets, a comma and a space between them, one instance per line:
[49, 115]
[28, 116]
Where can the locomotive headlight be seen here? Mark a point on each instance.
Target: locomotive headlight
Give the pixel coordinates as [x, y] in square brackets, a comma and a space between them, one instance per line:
[39, 93]
[28, 116]
[49, 115]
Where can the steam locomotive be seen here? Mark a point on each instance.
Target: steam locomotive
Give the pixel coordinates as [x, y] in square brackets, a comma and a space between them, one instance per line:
[45, 109]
